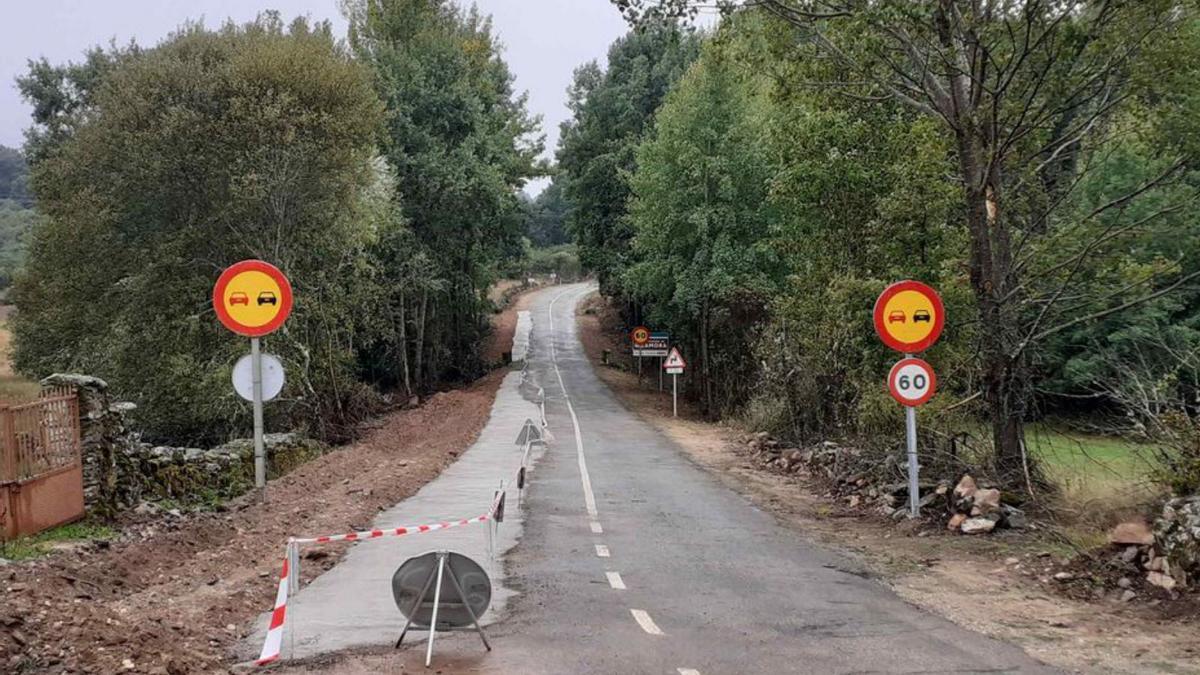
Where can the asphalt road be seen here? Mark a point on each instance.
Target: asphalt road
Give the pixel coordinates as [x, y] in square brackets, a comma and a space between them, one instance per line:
[634, 560]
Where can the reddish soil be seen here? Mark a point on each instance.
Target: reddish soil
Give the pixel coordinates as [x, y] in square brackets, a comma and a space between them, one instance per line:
[176, 594]
[1001, 585]
[504, 324]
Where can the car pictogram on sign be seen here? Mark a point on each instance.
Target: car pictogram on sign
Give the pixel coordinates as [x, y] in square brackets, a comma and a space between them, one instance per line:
[252, 298]
[909, 316]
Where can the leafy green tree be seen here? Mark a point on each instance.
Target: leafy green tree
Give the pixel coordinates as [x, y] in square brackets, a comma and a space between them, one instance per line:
[701, 221]
[461, 143]
[63, 96]
[612, 109]
[1029, 92]
[14, 177]
[548, 217]
[16, 222]
[215, 146]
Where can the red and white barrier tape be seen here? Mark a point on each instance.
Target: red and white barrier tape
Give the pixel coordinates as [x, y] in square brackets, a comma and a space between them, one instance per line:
[274, 641]
[394, 531]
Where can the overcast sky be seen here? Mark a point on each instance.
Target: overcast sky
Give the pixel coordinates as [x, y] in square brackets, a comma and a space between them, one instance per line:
[544, 39]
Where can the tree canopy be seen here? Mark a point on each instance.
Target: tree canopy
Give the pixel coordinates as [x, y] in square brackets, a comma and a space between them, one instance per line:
[1023, 157]
[380, 175]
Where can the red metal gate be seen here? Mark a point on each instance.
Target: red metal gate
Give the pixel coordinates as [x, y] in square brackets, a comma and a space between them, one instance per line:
[41, 466]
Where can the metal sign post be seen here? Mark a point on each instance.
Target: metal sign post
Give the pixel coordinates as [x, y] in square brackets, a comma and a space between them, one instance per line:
[914, 487]
[674, 394]
[909, 317]
[253, 298]
[912, 382]
[260, 454]
[674, 365]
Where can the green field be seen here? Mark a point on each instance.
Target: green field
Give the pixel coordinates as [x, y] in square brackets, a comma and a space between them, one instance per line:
[13, 387]
[1091, 467]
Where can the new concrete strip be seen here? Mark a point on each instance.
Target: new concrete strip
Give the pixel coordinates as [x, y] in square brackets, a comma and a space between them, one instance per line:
[351, 605]
[520, 346]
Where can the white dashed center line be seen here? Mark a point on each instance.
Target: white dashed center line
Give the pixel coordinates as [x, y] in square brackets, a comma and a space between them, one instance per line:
[645, 622]
[614, 580]
[601, 550]
[688, 671]
[596, 529]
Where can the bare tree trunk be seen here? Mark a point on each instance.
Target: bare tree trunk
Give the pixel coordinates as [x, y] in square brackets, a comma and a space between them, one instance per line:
[420, 352]
[705, 373]
[991, 278]
[404, 376]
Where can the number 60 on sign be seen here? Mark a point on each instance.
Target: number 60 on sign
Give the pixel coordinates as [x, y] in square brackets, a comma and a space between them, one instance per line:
[912, 382]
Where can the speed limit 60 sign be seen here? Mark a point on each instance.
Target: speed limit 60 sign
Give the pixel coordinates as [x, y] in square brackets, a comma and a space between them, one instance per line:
[912, 382]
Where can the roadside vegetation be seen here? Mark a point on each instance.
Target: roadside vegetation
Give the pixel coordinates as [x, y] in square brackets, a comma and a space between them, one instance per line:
[42, 543]
[380, 172]
[765, 181]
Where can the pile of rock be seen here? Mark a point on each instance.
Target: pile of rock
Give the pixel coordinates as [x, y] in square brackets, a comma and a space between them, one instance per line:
[822, 460]
[1135, 555]
[164, 472]
[971, 509]
[976, 510]
[1177, 537]
[1167, 555]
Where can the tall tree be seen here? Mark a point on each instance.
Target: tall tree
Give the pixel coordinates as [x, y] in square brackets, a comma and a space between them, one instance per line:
[548, 215]
[702, 221]
[462, 144]
[214, 146]
[612, 109]
[1027, 89]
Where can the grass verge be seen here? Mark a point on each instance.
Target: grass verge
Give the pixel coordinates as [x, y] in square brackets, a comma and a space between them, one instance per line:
[26, 548]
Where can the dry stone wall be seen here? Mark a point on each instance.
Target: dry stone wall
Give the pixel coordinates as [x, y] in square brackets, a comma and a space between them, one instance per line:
[120, 470]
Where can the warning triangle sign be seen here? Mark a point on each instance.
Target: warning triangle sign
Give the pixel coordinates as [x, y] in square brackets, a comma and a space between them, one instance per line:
[674, 360]
[529, 433]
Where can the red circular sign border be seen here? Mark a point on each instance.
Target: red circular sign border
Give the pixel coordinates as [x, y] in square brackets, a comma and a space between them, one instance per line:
[285, 302]
[633, 332]
[891, 382]
[938, 323]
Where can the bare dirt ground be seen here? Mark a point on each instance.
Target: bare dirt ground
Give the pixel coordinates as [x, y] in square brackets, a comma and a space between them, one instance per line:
[174, 594]
[1000, 585]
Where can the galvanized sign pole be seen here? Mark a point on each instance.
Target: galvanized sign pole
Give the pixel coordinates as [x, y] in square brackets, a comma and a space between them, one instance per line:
[253, 298]
[914, 488]
[909, 317]
[674, 395]
[674, 365]
[260, 454]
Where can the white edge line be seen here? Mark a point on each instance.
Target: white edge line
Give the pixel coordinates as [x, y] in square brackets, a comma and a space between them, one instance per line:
[645, 622]
[589, 498]
[614, 580]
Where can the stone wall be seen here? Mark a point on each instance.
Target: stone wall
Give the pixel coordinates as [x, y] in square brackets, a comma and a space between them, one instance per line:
[120, 470]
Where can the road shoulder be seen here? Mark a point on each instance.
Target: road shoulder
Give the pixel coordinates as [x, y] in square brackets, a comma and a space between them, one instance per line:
[976, 583]
[179, 592]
